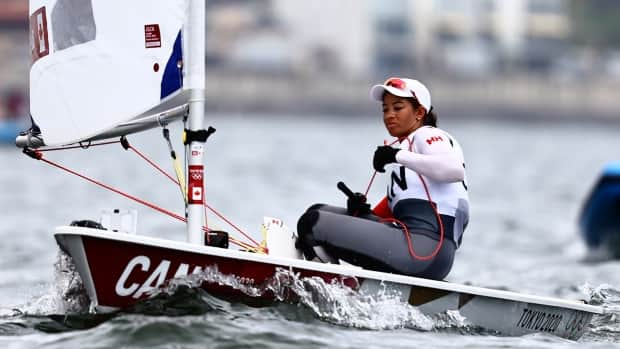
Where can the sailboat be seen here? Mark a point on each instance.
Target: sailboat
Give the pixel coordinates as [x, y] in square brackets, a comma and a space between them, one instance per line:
[599, 220]
[146, 58]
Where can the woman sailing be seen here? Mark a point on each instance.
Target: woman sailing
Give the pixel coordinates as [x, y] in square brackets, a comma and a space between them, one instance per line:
[416, 229]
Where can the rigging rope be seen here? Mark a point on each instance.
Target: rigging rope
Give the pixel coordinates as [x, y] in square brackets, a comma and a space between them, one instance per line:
[260, 248]
[213, 210]
[403, 226]
[38, 155]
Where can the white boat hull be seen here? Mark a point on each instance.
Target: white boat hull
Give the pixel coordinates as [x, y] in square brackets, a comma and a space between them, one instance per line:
[118, 270]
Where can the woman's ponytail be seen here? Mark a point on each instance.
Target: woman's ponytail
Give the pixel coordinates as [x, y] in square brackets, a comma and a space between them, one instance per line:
[430, 119]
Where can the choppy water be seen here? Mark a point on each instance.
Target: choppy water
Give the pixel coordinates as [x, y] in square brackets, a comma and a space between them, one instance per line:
[526, 183]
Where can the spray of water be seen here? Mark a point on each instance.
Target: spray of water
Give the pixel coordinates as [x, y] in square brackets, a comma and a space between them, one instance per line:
[333, 301]
[65, 296]
[604, 327]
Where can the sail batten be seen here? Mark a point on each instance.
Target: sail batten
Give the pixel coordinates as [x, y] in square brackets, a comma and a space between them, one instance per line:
[105, 72]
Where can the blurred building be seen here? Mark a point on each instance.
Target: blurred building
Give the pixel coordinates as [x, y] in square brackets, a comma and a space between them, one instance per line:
[500, 52]
[517, 55]
[355, 37]
[248, 36]
[358, 38]
[331, 37]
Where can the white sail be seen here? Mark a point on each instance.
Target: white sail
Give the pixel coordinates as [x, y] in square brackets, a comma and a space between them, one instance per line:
[105, 67]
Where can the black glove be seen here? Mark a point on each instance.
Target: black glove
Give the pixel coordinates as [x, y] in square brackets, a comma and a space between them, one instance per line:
[384, 155]
[357, 206]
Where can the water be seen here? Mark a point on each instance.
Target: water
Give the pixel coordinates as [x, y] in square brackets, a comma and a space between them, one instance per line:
[527, 182]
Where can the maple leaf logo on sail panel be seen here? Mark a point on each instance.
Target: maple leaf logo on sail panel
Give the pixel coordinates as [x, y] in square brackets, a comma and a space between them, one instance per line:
[39, 40]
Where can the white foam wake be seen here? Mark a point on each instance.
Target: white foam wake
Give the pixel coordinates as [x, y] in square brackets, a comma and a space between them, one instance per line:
[331, 301]
[65, 296]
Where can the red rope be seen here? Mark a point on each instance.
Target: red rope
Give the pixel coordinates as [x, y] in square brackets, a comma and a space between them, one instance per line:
[158, 168]
[131, 197]
[174, 180]
[404, 227]
[231, 224]
[410, 243]
[372, 179]
[441, 229]
[434, 207]
[136, 199]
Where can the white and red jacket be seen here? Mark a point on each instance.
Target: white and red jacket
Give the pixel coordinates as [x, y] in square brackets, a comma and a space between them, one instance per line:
[432, 157]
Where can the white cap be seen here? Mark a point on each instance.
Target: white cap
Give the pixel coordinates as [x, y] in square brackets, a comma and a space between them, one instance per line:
[403, 88]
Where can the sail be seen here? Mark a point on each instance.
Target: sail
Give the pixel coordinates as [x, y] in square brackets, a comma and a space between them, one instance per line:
[102, 68]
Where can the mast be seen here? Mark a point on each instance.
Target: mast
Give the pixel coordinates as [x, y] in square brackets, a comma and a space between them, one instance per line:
[196, 135]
